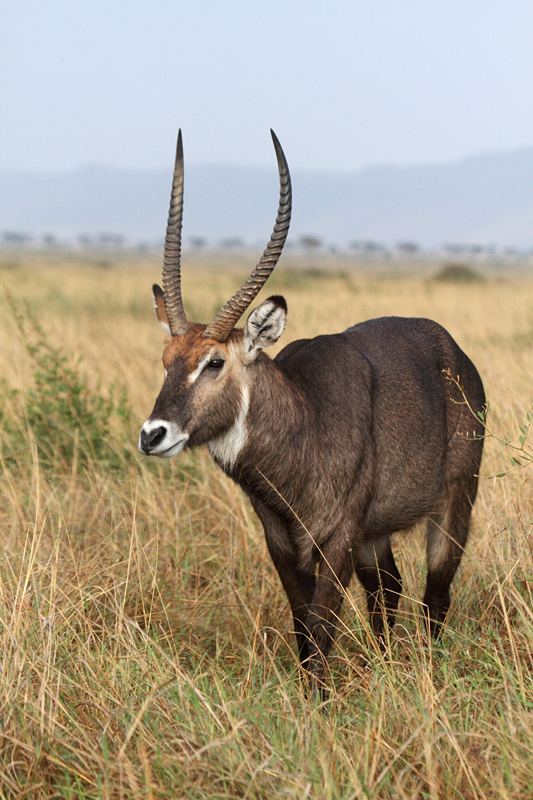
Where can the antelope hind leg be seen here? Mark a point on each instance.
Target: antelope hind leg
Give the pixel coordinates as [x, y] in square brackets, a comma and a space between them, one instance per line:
[447, 534]
[381, 579]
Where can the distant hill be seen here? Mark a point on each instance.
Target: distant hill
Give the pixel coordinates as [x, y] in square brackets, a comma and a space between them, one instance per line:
[486, 199]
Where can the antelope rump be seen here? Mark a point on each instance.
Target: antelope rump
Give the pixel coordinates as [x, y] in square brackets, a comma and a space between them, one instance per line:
[339, 441]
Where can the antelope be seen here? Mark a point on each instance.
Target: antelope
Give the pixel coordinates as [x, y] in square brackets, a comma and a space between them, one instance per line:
[339, 441]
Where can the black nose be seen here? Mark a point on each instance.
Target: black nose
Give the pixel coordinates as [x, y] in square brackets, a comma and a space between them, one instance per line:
[149, 439]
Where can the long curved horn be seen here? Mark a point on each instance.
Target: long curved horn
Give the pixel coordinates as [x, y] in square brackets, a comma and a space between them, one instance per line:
[223, 323]
[171, 259]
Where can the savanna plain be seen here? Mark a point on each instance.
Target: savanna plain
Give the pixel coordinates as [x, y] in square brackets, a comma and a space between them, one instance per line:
[145, 640]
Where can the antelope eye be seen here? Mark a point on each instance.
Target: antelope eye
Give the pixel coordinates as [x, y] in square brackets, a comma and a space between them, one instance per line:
[216, 363]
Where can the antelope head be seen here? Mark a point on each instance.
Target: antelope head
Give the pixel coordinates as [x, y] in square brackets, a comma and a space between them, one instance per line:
[205, 395]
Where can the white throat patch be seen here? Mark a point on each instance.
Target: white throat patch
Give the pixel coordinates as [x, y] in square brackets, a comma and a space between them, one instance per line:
[226, 447]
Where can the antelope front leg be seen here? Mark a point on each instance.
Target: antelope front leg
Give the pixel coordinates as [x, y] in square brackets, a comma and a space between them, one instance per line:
[335, 568]
[299, 585]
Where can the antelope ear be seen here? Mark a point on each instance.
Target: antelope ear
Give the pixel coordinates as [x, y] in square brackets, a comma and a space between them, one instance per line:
[264, 326]
[160, 308]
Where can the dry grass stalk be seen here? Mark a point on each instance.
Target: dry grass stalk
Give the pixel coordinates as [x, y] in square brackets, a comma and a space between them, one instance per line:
[145, 639]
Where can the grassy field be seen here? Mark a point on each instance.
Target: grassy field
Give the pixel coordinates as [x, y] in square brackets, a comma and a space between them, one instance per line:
[146, 646]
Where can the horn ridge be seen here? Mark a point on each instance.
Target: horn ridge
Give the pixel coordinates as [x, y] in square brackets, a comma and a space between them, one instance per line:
[225, 320]
[172, 253]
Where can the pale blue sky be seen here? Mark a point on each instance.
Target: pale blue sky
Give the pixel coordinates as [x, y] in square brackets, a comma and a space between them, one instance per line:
[344, 83]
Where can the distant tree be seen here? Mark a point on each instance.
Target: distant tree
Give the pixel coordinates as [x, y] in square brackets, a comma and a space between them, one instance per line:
[407, 247]
[310, 242]
[110, 240]
[49, 239]
[374, 247]
[451, 247]
[85, 240]
[232, 243]
[16, 237]
[197, 242]
[368, 246]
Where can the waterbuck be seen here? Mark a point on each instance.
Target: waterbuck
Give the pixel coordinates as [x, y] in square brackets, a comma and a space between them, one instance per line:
[339, 441]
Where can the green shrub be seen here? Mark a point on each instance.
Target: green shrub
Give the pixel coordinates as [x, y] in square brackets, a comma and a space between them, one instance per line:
[458, 273]
[66, 418]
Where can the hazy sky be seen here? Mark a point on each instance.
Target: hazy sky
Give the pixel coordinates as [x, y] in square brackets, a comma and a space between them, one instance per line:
[344, 83]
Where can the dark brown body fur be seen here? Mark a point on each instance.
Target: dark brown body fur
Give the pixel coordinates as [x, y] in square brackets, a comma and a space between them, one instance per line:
[353, 437]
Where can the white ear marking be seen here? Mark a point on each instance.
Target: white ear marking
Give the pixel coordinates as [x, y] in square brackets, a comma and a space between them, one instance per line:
[264, 326]
[159, 308]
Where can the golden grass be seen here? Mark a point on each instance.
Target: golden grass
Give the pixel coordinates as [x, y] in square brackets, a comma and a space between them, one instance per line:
[145, 639]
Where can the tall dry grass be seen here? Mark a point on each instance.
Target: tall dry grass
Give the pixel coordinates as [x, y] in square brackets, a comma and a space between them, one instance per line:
[145, 640]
